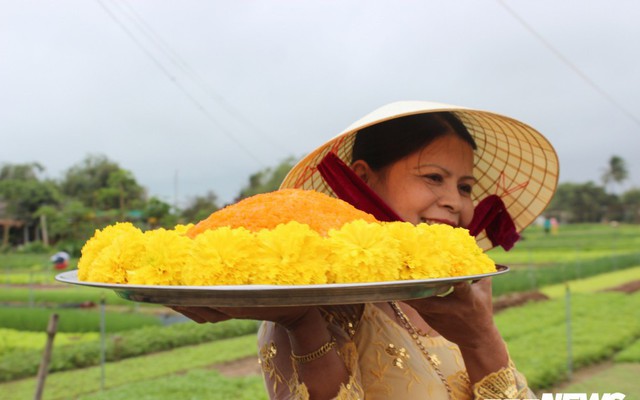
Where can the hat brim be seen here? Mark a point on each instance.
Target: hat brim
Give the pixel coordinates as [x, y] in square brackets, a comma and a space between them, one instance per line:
[513, 160]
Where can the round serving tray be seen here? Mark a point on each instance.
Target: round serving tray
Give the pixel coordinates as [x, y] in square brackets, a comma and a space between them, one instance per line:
[279, 295]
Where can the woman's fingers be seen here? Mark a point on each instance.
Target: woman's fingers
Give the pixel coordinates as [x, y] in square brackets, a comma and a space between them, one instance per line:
[201, 314]
[465, 296]
[286, 316]
[188, 314]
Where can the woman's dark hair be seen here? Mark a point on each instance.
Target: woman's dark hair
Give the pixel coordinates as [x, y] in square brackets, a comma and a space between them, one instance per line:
[382, 144]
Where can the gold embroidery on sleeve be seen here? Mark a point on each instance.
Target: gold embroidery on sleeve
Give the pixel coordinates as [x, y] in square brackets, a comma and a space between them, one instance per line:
[268, 352]
[345, 317]
[460, 385]
[350, 391]
[499, 385]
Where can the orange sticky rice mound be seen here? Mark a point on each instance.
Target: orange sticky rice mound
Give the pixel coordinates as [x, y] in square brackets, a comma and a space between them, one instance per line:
[266, 211]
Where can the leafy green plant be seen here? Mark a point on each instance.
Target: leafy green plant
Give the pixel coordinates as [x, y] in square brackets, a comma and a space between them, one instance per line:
[577, 252]
[523, 279]
[14, 261]
[602, 324]
[72, 320]
[198, 383]
[13, 340]
[63, 294]
[594, 283]
[35, 247]
[20, 364]
[145, 372]
[573, 242]
[630, 354]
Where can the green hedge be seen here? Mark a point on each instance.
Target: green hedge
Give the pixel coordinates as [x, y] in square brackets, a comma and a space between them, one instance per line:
[62, 294]
[630, 354]
[523, 279]
[72, 320]
[145, 372]
[21, 364]
[217, 387]
[12, 340]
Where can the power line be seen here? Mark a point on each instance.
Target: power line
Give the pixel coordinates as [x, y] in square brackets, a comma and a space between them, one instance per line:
[177, 83]
[569, 64]
[181, 63]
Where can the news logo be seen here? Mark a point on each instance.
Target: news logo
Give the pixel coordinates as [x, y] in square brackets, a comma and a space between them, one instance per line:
[577, 396]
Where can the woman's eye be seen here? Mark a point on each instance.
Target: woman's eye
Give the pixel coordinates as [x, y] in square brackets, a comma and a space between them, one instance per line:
[434, 177]
[465, 189]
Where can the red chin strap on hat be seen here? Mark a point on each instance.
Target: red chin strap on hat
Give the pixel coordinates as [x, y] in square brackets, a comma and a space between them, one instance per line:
[490, 214]
[349, 187]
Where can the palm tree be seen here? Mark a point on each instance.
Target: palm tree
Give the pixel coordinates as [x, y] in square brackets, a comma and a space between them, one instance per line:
[616, 171]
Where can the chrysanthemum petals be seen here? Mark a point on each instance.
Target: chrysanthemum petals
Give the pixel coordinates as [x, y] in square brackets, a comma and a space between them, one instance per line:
[288, 237]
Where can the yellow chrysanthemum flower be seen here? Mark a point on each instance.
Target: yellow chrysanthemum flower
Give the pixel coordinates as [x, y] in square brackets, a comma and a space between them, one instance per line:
[363, 252]
[291, 254]
[222, 256]
[182, 229]
[165, 254]
[280, 249]
[101, 239]
[111, 253]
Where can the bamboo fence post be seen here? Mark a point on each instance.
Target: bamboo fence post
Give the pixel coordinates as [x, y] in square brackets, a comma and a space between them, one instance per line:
[46, 357]
[567, 300]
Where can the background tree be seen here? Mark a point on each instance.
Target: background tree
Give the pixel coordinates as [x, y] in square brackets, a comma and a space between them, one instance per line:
[631, 203]
[267, 180]
[157, 213]
[574, 202]
[24, 172]
[122, 192]
[71, 224]
[616, 171]
[200, 207]
[101, 184]
[23, 193]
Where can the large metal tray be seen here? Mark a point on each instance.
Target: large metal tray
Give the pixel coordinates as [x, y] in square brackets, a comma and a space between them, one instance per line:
[279, 295]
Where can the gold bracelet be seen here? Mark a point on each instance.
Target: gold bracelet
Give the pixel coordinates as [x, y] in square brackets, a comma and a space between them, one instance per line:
[324, 349]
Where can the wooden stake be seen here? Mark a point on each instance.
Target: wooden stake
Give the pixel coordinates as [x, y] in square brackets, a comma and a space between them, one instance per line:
[43, 227]
[46, 357]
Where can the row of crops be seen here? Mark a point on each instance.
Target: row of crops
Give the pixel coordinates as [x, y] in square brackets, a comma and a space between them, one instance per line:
[20, 355]
[603, 325]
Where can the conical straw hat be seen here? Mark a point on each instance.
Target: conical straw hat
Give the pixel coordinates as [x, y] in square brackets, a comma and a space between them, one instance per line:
[513, 160]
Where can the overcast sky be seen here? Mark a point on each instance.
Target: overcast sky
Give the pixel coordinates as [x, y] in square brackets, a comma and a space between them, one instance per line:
[194, 96]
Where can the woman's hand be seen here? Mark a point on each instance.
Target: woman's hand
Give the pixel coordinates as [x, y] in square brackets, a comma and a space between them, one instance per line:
[288, 317]
[465, 317]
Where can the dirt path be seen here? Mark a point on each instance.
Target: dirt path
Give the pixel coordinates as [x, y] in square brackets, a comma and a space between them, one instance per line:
[581, 375]
[629, 287]
[242, 367]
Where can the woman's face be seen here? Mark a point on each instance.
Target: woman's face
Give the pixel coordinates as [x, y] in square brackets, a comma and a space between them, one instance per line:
[431, 185]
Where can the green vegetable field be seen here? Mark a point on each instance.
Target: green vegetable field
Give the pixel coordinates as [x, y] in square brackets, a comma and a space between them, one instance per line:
[148, 356]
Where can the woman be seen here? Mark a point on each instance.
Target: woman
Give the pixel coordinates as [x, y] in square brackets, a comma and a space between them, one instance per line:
[422, 163]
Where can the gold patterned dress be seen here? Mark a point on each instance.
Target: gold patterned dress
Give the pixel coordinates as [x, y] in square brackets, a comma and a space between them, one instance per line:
[386, 362]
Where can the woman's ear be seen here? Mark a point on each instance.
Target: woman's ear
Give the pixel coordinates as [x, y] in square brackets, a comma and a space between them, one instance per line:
[362, 169]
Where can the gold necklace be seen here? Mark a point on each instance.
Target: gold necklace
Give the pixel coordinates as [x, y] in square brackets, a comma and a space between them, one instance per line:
[415, 334]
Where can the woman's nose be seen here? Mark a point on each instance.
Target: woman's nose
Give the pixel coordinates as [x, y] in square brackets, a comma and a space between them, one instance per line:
[450, 198]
